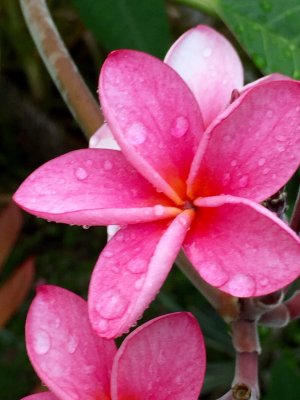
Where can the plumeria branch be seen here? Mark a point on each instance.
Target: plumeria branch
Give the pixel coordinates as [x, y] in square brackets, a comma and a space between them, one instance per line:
[61, 66]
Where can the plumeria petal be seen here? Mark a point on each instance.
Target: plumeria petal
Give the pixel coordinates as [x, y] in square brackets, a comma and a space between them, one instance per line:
[254, 146]
[153, 116]
[210, 66]
[163, 359]
[103, 139]
[241, 247]
[41, 396]
[130, 271]
[92, 187]
[64, 350]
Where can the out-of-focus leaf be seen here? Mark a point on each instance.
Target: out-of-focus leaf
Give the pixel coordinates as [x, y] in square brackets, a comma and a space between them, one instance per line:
[10, 226]
[14, 290]
[218, 374]
[135, 24]
[285, 381]
[268, 30]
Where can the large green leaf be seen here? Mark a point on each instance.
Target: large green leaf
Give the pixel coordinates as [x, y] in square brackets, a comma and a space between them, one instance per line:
[135, 24]
[268, 30]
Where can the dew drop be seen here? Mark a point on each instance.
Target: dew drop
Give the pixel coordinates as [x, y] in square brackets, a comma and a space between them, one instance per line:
[137, 266]
[136, 134]
[207, 52]
[180, 126]
[102, 325]
[233, 163]
[270, 114]
[89, 162]
[280, 148]
[72, 344]
[266, 171]
[264, 282]
[213, 273]
[158, 210]
[280, 138]
[89, 368]
[85, 226]
[241, 285]
[107, 254]
[81, 173]
[261, 162]
[108, 165]
[243, 181]
[226, 178]
[41, 342]
[112, 304]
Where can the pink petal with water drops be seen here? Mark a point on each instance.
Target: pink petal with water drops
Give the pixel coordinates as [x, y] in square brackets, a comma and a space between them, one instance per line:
[131, 270]
[154, 117]
[241, 247]
[163, 359]
[92, 187]
[210, 66]
[68, 356]
[103, 139]
[254, 146]
[41, 396]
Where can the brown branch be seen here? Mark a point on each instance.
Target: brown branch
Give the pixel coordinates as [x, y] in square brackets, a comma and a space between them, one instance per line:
[61, 67]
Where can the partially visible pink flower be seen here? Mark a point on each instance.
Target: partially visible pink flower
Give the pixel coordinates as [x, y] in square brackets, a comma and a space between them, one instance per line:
[162, 359]
[192, 172]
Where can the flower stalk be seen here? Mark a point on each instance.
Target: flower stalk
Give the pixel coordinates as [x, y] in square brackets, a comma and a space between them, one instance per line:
[61, 67]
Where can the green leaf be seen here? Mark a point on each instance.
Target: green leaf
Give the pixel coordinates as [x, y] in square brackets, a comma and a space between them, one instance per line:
[268, 30]
[285, 380]
[134, 24]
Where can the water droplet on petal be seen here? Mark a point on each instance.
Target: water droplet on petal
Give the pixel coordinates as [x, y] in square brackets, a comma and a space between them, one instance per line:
[136, 134]
[89, 163]
[112, 304]
[137, 266]
[266, 171]
[261, 162]
[226, 178]
[108, 165]
[107, 254]
[243, 181]
[41, 342]
[241, 285]
[158, 210]
[86, 226]
[81, 173]
[89, 368]
[180, 126]
[207, 52]
[233, 163]
[213, 273]
[72, 344]
[102, 325]
[270, 113]
[280, 148]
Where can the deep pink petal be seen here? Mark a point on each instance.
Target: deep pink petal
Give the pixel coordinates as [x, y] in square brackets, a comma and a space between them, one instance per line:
[254, 146]
[210, 66]
[92, 187]
[130, 271]
[66, 353]
[154, 117]
[41, 396]
[164, 359]
[103, 139]
[241, 247]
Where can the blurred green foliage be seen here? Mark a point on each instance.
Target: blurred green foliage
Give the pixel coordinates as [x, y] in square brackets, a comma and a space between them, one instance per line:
[36, 126]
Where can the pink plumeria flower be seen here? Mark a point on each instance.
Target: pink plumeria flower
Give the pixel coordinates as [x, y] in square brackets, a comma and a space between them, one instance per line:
[162, 359]
[192, 172]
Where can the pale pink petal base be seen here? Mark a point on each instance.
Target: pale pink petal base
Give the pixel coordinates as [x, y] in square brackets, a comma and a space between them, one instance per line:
[241, 247]
[253, 148]
[210, 66]
[65, 352]
[92, 187]
[41, 396]
[130, 271]
[163, 359]
[103, 139]
[154, 117]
